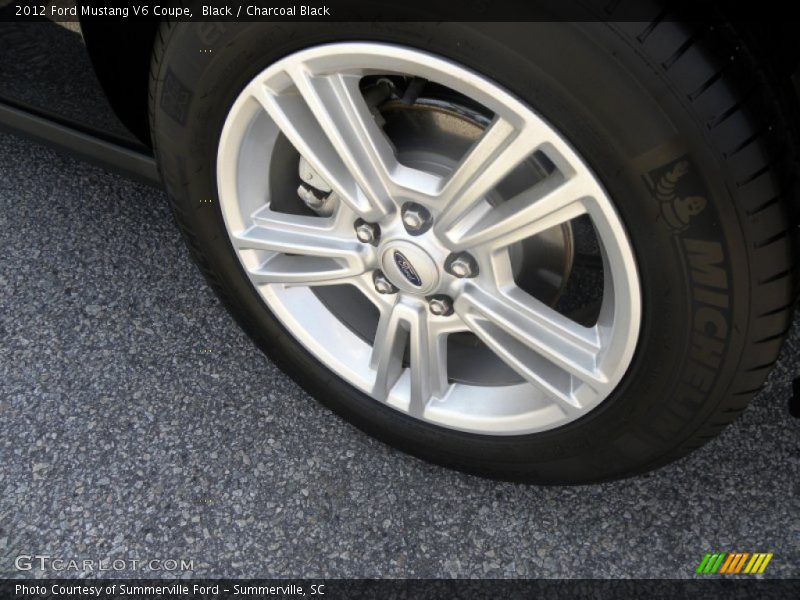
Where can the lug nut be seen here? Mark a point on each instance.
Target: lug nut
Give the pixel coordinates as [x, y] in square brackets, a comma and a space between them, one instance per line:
[368, 233]
[416, 218]
[440, 306]
[382, 284]
[461, 265]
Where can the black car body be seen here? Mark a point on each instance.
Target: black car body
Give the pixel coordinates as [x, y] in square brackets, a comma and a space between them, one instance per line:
[82, 85]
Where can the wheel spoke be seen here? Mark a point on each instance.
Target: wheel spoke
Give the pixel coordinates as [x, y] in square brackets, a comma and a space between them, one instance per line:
[406, 324]
[428, 362]
[303, 271]
[340, 109]
[547, 204]
[329, 123]
[387, 352]
[295, 120]
[307, 250]
[491, 158]
[543, 346]
[500, 149]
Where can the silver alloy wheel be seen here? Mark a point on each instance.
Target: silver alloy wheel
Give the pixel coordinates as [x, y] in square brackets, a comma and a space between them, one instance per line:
[312, 99]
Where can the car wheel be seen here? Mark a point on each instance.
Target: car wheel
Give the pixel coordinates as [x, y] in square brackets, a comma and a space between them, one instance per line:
[544, 252]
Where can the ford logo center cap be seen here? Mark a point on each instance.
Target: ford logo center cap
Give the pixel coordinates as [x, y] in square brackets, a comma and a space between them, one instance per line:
[407, 269]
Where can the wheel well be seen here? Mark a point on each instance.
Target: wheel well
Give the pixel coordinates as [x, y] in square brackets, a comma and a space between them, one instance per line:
[120, 47]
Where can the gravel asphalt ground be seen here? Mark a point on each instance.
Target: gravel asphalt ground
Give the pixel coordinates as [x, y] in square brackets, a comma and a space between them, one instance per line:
[138, 422]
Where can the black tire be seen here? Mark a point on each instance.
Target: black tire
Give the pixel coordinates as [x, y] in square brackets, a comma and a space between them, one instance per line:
[636, 101]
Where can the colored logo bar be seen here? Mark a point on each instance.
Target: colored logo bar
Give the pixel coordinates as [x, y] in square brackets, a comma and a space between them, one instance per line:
[734, 563]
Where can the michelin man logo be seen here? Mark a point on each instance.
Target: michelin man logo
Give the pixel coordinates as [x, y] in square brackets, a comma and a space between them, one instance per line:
[677, 211]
